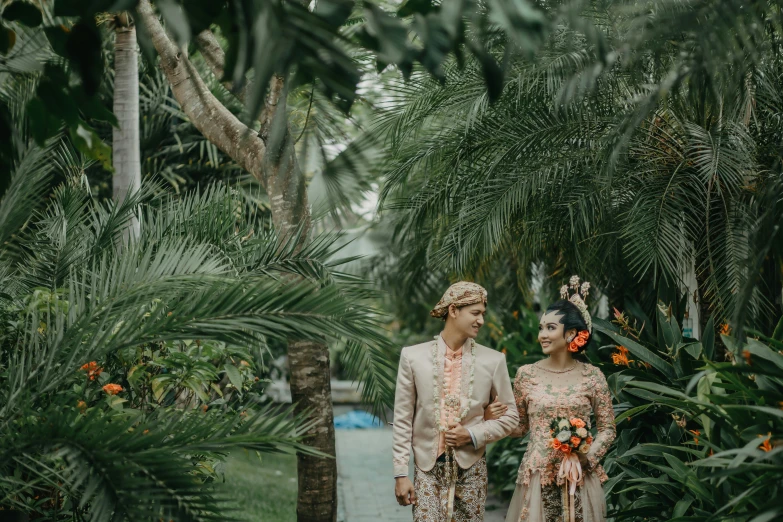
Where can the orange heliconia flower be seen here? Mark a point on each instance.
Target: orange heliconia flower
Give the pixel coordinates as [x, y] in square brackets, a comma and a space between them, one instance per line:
[620, 358]
[577, 422]
[112, 389]
[696, 434]
[725, 329]
[92, 369]
[622, 349]
[145, 432]
[746, 355]
[515, 313]
[766, 446]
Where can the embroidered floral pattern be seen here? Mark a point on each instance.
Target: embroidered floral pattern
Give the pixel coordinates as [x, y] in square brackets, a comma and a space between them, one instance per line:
[538, 403]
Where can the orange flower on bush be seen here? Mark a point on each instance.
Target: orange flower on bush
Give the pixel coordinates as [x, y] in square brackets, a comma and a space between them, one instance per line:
[81, 405]
[766, 446]
[577, 422]
[112, 389]
[92, 369]
[620, 358]
[746, 355]
[696, 434]
[725, 329]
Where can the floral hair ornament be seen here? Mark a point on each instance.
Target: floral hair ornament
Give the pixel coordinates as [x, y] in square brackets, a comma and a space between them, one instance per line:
[577, 298]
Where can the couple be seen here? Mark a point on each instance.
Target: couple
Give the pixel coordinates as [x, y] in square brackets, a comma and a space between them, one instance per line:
[454, 397]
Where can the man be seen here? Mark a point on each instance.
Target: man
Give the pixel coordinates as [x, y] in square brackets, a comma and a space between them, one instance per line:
[443, 387]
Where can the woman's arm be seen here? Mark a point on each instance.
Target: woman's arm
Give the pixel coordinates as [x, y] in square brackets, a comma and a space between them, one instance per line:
[601, 401]
[520, 397]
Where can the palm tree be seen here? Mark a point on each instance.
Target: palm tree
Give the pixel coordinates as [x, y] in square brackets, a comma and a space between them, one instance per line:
[627, 150]
[73, 293]
[126, 142]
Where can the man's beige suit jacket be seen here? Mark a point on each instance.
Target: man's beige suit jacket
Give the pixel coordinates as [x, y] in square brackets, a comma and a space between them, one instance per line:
[415, 424]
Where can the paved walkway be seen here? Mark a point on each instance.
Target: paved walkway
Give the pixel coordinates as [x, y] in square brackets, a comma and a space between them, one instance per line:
[365, 486]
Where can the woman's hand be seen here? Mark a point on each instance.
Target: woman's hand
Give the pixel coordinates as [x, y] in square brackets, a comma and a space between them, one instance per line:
[495, 410]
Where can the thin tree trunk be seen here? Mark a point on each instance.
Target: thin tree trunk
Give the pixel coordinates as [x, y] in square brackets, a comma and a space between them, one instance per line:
[125, 139]
[270, 157]
[311, 390]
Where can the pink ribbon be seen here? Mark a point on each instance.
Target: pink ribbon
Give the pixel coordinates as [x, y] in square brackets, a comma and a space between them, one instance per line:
[571, 471]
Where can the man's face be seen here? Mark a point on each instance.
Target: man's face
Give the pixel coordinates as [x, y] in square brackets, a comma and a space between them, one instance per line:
[468, 319]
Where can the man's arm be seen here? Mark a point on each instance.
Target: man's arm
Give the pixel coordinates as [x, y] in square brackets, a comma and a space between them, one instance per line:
[404, 407]
[492, 430]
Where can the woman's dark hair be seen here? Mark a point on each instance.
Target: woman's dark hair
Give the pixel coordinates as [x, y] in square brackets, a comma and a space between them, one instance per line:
[570, 317]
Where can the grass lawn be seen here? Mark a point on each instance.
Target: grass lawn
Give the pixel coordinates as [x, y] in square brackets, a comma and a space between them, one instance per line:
[265, 491]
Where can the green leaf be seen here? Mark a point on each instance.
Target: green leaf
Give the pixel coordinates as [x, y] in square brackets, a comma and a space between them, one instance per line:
[778, 333]
[682, 507]
[23, 13]
[334, 12]
[234, 376]
[90, 144]
[708, 339]
[667, 323]
[631, 412]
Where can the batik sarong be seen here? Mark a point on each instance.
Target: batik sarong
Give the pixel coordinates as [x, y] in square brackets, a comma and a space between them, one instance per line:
[433, 492]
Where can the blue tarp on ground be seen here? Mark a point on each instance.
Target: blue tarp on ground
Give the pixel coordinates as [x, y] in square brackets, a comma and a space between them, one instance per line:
[356, 419]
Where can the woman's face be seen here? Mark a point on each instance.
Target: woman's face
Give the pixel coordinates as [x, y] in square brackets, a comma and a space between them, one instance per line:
[551, 335]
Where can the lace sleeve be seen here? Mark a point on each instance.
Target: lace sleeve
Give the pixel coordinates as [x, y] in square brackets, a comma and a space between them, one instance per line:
[601, 401]
[520, 397]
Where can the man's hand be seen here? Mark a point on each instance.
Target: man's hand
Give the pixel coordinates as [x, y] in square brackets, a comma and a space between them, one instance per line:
[457, 436]
[403, 490]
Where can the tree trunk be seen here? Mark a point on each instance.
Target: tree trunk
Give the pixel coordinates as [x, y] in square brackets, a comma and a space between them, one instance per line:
[125, 139]
[270, 157]
[311, 390]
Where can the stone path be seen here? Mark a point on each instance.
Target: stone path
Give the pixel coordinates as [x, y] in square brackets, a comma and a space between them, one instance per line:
[365, 483]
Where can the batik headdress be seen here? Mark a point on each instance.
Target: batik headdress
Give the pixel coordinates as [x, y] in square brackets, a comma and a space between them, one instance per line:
[460, 294]
[577, 298]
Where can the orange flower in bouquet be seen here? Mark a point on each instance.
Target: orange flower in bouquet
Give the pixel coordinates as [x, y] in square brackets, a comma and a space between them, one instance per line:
[570, 435]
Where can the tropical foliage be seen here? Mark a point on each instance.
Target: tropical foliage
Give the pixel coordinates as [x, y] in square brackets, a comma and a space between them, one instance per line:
[698, 438]
[636, 147]
[128, 369]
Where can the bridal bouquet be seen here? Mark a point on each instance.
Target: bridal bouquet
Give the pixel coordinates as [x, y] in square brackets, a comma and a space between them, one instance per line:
[570, 435]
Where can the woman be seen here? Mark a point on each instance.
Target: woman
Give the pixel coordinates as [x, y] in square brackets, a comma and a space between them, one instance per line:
[560, 477]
